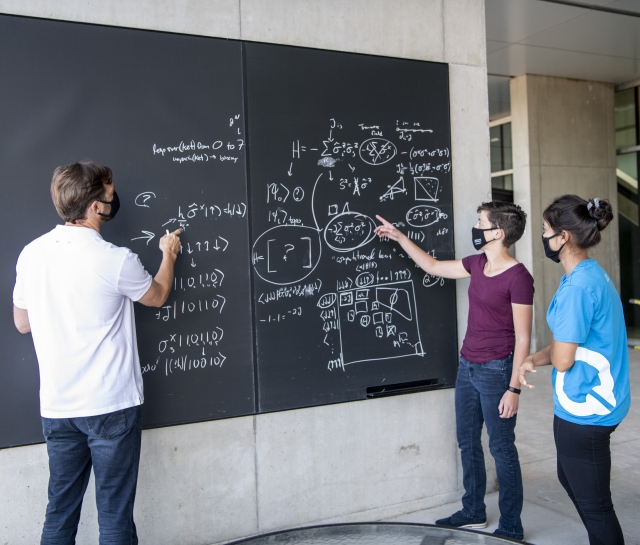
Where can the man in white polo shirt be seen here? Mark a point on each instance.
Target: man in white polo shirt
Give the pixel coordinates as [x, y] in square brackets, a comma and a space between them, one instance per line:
[74, 292]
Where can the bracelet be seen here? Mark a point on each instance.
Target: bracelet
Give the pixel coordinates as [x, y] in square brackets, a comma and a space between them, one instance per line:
[514, 390]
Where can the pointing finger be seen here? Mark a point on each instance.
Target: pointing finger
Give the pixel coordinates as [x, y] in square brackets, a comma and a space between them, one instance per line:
[384, 221]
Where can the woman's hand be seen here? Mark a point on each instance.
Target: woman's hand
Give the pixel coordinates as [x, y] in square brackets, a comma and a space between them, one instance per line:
[508, 406]
[526, 367]
[388, 230]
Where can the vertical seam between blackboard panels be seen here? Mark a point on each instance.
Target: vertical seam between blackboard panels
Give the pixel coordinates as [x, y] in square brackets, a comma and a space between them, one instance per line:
[249, 214]
[256, 397]
[444, 32]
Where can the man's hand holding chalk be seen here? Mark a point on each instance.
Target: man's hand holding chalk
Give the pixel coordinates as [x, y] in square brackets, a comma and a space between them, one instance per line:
[170, 243]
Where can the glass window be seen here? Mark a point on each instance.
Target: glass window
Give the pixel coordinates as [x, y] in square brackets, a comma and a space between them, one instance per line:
[501, 149]
[628, 164]
[626, 119]
[627, 167]
[496, 148]
[502, 182]
[506, 147]
[501, 162]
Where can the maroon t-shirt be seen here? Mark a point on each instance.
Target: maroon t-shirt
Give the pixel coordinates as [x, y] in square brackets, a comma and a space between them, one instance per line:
[490, 334]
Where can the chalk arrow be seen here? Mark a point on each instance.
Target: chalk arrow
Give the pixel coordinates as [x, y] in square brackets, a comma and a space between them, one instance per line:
[148, 235]
[193, 263]
[330, 177]
[330, 139]
[289, 171]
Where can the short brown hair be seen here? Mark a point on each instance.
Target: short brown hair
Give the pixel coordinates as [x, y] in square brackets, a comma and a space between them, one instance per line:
[507, 216]
[76, 186]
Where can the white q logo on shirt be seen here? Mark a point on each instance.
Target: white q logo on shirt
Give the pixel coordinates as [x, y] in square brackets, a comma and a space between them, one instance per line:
[590, 405]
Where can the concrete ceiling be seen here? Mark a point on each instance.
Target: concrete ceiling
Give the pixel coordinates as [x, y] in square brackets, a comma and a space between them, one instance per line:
[556, 39]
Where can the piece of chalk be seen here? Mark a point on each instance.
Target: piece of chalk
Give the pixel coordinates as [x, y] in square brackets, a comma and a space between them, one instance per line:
[167, 231]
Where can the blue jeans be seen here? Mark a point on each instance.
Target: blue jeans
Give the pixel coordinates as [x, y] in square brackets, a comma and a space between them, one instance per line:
[479, 389]
[111, 444]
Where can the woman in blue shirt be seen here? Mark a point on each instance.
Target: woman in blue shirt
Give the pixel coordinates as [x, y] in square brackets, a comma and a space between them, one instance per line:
[590, 359]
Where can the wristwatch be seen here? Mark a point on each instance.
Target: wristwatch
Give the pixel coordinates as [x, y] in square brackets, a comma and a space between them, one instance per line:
[514, 390]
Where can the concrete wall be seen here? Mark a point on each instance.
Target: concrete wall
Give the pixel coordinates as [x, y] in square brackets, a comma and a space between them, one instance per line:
[216, 481]
[563, 142]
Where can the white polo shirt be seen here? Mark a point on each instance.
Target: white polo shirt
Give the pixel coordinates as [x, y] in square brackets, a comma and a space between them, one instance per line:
[79, 290]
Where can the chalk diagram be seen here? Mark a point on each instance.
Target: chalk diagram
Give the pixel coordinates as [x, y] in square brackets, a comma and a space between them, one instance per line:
[396, 189]
[349, 231]
[424, 215]
[374, 316]
[385, 313]
[377, 151]
[286, 253]
[426, 188]
[431, 280]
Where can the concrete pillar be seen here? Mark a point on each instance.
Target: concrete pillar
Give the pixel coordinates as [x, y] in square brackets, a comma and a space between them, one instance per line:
[563, 142]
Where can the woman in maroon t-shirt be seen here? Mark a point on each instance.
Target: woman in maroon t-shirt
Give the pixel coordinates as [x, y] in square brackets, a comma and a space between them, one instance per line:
[497, 341]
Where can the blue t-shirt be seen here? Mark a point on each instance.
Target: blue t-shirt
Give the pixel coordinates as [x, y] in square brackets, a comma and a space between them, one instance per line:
[587, 310]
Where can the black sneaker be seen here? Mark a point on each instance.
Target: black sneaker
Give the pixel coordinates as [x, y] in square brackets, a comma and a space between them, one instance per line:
[511, 535]
[458, 520]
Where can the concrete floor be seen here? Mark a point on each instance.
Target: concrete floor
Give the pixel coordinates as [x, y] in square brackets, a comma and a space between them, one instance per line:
[549, 517]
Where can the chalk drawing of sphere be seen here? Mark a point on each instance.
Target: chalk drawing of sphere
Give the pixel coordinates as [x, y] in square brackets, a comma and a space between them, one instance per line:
[423, 215]
[349, 231]
[286, 254]
[377, 151]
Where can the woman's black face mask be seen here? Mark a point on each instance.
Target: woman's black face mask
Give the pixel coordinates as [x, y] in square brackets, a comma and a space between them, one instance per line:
[477, 237]
[553, 255]
[115, 206]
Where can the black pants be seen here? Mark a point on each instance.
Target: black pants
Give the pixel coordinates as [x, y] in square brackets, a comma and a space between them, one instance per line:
[584, 470]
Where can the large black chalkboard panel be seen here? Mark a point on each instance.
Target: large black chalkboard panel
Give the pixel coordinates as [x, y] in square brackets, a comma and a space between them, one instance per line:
[165, 112]
[334, 139]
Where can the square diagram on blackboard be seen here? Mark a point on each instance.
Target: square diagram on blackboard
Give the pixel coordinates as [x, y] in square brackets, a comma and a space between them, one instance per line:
[379, 323]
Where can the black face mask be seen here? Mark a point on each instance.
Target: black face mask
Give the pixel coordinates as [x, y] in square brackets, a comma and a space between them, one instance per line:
[477, 237]
[553, 255]
[115, 206]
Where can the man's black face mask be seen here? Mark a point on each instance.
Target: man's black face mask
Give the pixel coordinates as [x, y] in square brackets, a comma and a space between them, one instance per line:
[115, 206]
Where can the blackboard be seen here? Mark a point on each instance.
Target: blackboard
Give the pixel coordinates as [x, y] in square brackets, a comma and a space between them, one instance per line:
[156, 108]
[275, 161]
[335, 139]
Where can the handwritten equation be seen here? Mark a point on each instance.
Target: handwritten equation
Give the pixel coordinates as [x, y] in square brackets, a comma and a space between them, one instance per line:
[327, 220]
[190, 327]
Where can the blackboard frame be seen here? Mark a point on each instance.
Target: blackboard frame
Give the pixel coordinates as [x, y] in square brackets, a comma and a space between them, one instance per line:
[25, 340]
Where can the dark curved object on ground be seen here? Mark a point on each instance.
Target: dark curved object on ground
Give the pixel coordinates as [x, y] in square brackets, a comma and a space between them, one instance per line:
[376, 533]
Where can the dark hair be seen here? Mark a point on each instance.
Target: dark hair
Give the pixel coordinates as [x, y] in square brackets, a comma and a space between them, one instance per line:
[507, 216]
[76, 186]
[583, 219]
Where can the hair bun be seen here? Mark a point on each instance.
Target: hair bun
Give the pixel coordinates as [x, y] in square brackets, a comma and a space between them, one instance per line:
[601, 211]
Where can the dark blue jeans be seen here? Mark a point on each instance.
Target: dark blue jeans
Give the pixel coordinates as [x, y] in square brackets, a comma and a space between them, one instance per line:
[111, 444]
[479, 389]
